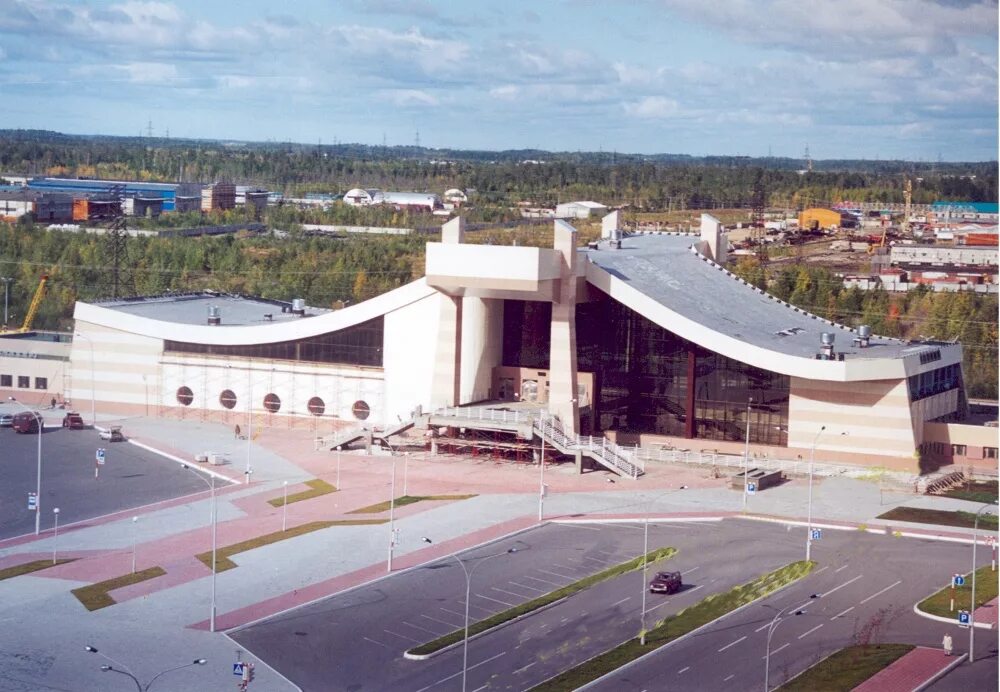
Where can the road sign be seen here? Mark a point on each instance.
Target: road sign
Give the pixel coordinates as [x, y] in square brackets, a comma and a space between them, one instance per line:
[100, 456]
[963, 617]
[238, 669]
[958, 580]
[751, 488]
[817, 534]
[32, 502]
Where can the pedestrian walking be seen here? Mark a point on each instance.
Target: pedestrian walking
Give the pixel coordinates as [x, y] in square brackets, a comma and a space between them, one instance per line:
[946, 643]
[237, 430]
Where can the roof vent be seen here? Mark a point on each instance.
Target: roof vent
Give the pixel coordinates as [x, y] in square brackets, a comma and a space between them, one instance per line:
[214, 315]
[863, 337]
[299, 306]
[826, 346]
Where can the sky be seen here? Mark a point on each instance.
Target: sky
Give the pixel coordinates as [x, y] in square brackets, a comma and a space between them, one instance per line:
[865, 79]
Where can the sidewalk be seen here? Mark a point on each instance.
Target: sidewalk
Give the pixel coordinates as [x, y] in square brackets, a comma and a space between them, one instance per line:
[911, 671]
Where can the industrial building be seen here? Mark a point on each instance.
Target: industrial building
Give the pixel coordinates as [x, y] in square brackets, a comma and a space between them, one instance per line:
[946, 213]
[580, 210]
[419, 201]
[169, 192]
[643, 341]
[218, 197]
[825, 219]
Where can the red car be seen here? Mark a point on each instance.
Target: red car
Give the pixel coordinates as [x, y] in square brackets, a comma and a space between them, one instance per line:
[666, 582]
[73, 421]
[27, 422]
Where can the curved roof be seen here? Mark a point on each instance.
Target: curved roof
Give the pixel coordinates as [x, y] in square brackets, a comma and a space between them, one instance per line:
[666, 280]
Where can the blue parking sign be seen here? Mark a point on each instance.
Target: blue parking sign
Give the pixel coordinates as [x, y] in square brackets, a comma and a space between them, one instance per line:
[963, 617]
[817, 534]
[32, 502]
[751, 488]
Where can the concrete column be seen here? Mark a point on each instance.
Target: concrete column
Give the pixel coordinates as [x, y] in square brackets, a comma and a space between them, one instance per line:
[562, 356]
[446, 384]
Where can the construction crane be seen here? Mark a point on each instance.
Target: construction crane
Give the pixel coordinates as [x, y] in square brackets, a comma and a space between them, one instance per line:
[29, 317]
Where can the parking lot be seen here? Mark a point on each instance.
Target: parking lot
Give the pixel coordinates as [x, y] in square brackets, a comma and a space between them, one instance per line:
[130, 477]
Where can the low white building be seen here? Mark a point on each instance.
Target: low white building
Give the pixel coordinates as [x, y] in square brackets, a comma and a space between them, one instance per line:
[580, 210]
[358, 197]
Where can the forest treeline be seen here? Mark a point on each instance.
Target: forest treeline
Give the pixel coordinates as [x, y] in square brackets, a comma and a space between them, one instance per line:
[330, 272]
[653, 183]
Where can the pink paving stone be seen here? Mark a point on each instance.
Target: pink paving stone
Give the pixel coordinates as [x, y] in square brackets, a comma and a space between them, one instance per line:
[179, 573]
[987, 612]
[908, 672]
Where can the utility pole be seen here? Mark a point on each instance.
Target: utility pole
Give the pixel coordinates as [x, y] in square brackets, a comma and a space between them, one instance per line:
[6, 293]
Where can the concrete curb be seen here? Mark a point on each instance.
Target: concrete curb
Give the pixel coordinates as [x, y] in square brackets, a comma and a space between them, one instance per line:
[884, 529]
[950, 621]
[941, 673]
[621, 520]
[260, 661]
[191, 464]
[684, 636]
[423, 657]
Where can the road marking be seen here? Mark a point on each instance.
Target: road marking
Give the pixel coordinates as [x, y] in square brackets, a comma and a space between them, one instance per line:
[495, 600]
[821, 569]
[529, 588]
[418, 627]
[729, 678]
[556, 574]
[732, 644]
[691, 570]
[841, 567]
[524, 668]
[481, 688]
[403, 636]
[683, 669]
[455, 675]
[834, 589]
[658, 605]
[447, 624]
[564, 620]
[594, 559]
[692, 590]
[844, 612]
[806, 634]
[762, 627]
[544, 581]
[509, 593]
[617, 603]
[375, 642]
[880, 592]
[452, 612]
[775, 651]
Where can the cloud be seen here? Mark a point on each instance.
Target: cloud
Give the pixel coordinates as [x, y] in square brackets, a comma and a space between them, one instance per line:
[655, 107]
[409, 97]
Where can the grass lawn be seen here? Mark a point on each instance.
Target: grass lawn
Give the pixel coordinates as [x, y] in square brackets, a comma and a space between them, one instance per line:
[976, 491]
[96, 596]
[665, 631]
[29, 567]
[542, 601]
[986, 590]
[406, 500]
[938, 516]
[317, 487]
[846, 669]
[222, 555]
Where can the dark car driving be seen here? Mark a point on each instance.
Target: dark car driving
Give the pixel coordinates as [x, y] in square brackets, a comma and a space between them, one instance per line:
[665, 582]
[73, 421]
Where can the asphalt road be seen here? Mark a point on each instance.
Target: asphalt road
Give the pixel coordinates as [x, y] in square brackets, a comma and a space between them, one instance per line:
[131, 477]
[355, 641]
[865, 584]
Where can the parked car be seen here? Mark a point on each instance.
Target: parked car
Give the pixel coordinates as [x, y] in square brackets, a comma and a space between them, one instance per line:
[26, 422]
[6, 420]
[666, 582]
[73, 421]
[112, 434]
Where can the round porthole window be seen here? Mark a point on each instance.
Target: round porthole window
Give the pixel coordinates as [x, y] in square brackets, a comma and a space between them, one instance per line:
[272, 403]
[228, 399]
[361, 410]
[185, 396]
[316, 406]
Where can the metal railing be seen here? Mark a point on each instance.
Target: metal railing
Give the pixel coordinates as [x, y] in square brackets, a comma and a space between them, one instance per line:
[485, 413]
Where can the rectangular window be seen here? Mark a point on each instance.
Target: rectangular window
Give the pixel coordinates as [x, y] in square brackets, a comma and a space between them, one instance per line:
[23, 382]
[41, 383]
[958, 450]
[989, 452]
[6, 380]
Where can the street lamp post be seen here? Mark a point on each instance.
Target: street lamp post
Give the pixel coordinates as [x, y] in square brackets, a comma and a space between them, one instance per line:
[812, 459]
[215, 516]
[284, 509]
[746, 457]
[338, 467]
[38, 478]
[55, 534]
[249, 421]
[392, 509]
[645, 553]
[541, 468]
[134, 521]
[406, 470]
[468, 594]
[767, 655]
[972, 604]
[124, 670]
[93, 383]
[7, 281]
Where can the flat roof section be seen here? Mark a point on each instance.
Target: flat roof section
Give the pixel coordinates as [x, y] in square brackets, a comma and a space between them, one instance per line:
[666, 268]
[234, 311]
